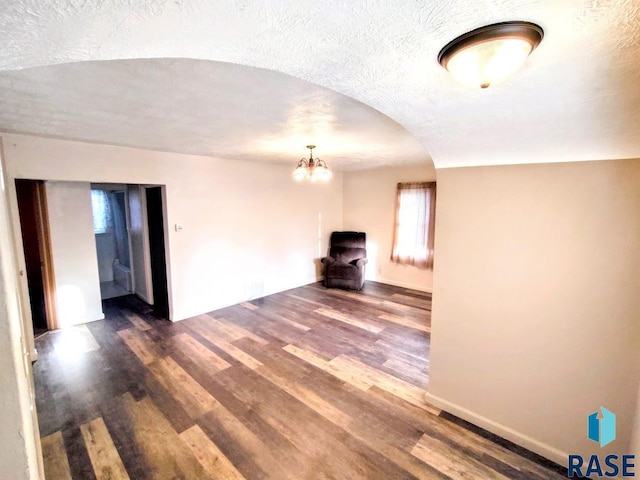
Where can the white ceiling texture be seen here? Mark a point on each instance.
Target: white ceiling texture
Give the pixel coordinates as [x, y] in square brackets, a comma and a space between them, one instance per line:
[258, 80]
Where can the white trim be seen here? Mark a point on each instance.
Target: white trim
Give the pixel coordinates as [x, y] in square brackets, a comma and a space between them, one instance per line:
[142, 297]
[97, 319]
[420, 288]
[127, 224]
[167, 249]
[518, 438]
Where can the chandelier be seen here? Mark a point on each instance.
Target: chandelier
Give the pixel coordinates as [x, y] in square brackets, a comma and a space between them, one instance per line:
[312, 169]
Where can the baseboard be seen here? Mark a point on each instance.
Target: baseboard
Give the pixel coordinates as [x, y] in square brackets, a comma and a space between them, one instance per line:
[142, 297]
[98, 318]
[547, 451]
[420, 288]
[266, 293]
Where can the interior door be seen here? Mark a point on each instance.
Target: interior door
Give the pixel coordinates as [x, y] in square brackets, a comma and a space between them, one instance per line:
[35, 239]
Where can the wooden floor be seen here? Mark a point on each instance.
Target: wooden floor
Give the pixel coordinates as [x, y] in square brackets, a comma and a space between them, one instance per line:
[305, 384]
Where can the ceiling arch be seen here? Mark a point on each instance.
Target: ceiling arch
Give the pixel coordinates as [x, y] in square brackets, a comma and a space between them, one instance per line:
[575, 99]
[203, 108]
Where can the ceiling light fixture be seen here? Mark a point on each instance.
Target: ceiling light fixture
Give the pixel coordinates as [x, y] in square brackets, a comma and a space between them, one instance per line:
[312, 169]
[491, 53]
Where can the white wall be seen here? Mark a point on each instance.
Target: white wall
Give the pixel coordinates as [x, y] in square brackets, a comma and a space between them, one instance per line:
[536, 313]
[19, 452]
[635, 436]
[369, 206]
[249, 230]
[73, 244]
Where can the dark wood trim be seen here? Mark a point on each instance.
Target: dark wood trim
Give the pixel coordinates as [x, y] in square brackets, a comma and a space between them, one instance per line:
[36, 245]
[44, 241]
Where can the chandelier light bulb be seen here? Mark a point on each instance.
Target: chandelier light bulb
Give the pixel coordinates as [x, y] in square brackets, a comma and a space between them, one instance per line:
[313, 169]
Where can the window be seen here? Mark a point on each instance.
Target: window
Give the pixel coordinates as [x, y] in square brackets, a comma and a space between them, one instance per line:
[101, 211]
[415, 219]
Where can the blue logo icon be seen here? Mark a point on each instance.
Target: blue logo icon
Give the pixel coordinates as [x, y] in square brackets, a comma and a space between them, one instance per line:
[602, 427]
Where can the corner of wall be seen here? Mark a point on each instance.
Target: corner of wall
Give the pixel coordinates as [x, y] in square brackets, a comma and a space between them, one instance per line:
[635, 432]
[20, 453]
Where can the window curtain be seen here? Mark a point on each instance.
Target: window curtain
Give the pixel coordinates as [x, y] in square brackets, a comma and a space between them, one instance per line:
[101, 208]
[414, 224]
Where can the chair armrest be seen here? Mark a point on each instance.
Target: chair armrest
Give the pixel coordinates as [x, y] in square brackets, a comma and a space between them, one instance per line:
[360, 262]
[328, 260]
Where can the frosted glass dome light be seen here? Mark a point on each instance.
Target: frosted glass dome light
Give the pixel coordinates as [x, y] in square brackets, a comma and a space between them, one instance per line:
[490, 54]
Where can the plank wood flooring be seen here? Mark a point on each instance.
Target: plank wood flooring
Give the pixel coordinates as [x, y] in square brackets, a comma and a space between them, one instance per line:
[306, 384]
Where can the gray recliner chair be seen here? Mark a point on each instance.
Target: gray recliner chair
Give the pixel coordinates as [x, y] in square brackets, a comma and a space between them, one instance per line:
[344, 267]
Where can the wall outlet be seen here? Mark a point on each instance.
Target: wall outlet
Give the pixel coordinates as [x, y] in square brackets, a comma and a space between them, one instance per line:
[179, 227]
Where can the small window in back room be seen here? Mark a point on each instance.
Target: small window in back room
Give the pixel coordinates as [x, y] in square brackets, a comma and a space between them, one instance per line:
[414, 227]
[101, 211]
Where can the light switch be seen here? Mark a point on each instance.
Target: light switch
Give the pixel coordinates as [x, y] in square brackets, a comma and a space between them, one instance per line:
[179, 227]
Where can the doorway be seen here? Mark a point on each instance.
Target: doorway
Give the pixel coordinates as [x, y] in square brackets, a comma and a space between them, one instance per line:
[111, 221]
[128, 224]
[34, 227]
[157, 254]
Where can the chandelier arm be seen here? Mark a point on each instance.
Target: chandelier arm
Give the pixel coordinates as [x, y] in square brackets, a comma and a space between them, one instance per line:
[312, 169]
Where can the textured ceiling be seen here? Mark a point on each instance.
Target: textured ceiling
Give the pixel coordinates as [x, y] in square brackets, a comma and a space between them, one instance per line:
[577, 97]
[204, 108]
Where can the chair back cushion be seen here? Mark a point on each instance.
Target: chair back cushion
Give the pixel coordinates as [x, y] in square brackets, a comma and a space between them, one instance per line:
[348, 246]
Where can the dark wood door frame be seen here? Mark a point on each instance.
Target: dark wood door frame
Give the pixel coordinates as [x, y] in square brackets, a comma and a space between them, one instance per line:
[36, 242]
